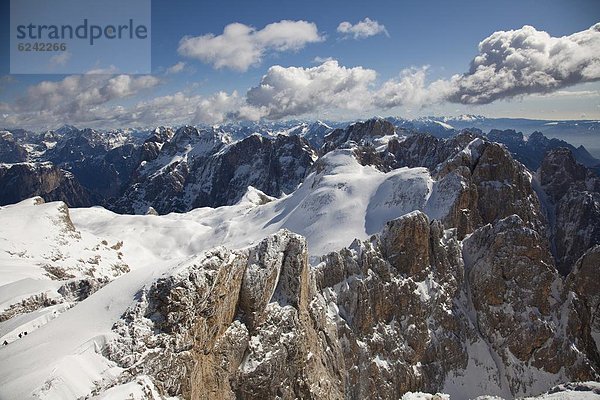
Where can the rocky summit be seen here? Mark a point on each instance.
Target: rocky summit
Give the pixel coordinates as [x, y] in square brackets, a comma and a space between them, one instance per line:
[572, 194]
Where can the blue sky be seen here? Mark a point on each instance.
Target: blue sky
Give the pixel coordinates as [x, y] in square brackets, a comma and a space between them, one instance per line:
[441, 35]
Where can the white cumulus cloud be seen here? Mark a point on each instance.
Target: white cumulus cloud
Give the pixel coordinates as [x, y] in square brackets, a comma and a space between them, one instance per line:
[526, 61]
[510, 63]
[217, 108]
[321, 60]
[241, 46]
[286, 92]
[362, 29]
[76, 93]
[411, 89]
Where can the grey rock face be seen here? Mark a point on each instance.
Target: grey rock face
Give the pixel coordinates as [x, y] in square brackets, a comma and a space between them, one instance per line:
[203, 168]
[422, 150]
[25, 180]
[314, 132]
[392, 299]
[490, 184]
[360, 133]
[101, 161]
[10, 150]
[504, 188]
[573, 196]
[246, 324]
[178, 171]
[583, 280]
[523, 310]
[152, 146]
[531, 150]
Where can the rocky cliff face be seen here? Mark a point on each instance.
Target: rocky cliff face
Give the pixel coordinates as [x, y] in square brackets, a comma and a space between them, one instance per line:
[100, 162]
[274, 166]
[393, 302]
[314, 132]
[583, 280]
[492, 185]
[103, 163]
[153, 145]
[410, 309]
[204, 168]
[125, 174]
[10, 150]
[523, 310]
[423, 150]
[171, 170]
[25, 180]
[245, 324]
[495, 186]
[531, 150]
[487, 183]
[573, 205]
[359, 133]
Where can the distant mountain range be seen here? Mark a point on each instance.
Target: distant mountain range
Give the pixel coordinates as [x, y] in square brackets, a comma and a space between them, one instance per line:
[576, 132]
[168, 169]
[440, 126]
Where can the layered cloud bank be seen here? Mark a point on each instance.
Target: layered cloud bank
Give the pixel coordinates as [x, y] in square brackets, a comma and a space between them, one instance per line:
[77, 98]
[508, 64]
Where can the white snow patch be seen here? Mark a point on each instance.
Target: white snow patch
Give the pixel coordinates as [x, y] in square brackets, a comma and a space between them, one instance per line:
[480, 376]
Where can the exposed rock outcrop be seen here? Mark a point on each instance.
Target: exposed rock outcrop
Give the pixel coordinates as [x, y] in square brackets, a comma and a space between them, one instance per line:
[392, 299]
[358, 133]
[25, 180]
[538, 328]
[491, 185]
[573, 206]
[422, 150]
[199, 168]
[583, 280]
[245, 324]
[10, 150]
[531, 150]
[102, 162]
[488, 182]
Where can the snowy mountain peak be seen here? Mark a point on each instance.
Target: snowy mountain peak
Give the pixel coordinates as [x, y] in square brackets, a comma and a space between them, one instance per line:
[66, 130]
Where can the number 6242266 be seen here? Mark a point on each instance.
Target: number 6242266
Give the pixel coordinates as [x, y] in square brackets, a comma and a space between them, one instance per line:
[41, 46]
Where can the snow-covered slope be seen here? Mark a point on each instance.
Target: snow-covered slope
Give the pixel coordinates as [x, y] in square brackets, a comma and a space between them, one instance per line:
[47, 265]
[341, 201]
